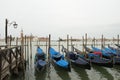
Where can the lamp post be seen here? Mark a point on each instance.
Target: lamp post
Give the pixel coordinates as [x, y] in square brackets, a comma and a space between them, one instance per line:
[6, 28]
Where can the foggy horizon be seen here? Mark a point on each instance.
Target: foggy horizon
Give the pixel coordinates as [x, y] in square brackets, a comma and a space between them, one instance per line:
[61, 17]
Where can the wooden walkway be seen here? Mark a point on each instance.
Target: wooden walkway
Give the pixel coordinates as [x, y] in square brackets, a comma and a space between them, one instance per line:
[10, 61]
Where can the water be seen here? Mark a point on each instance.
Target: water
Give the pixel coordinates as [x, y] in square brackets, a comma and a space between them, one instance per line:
[53, 73]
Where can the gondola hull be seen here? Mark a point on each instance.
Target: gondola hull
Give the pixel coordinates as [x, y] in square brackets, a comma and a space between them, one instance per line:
[40, 65]
[102, 62]
[40, 62]
[75, 59]
[60, 66]
[84, 66]
[58, 60]
[116, 60]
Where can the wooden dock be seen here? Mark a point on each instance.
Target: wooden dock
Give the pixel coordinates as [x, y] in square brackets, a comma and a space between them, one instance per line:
[10, 61]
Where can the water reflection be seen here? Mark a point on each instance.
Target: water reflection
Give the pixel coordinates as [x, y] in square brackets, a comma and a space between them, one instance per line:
[103, 72]
[117, 67]
[63, 74]
[81, 72]
[18, 77]
[40, 75]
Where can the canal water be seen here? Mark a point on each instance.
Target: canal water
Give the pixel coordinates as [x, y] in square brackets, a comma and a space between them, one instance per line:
[53, 73]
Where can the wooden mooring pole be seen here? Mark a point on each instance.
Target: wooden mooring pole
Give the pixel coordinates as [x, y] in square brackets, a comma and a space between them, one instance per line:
[49, 45]
[83, 44]
[10, 40]
[118, 39]
[46, 46]
[94, 41]
[71, 45]
[31, 46]
[49, 61]
[85, 41]
[104, 39]
[28, 50]
[10, 62]
[59, 44]
[22, 53]
[102, 42]
[68, 42]
[25, 49]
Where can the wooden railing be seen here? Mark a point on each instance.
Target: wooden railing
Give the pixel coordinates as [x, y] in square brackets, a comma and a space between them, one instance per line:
[10, 58]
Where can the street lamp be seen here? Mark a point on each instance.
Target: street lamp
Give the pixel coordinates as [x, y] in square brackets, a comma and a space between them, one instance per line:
[6, 27]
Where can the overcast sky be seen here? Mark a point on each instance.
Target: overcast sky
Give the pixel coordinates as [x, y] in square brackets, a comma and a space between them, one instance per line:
[61, 17]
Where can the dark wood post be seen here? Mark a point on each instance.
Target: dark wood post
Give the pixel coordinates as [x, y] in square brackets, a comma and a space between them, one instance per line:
[71, 45]
[46, 45]
[83, 43]
[25, 47]
[68, 42]
[16, 57]
[118, 39]
[49, 45]
[102, 42]
[94, 41]
[86, 39]
[10, 61]
[31, 46]
[59, 45]
[10, 40]
[48, 68]
[104, 39]
[22, 51]
[28, 49]
[6, 24]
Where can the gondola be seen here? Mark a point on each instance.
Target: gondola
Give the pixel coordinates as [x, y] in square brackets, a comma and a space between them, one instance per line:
[116, 51]
[97, 59]
[104, 52]
[40, 62]
[58, 59]
[117, 54]
[75, 59]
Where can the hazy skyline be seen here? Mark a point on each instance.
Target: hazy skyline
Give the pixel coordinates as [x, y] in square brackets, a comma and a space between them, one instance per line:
[61, 17]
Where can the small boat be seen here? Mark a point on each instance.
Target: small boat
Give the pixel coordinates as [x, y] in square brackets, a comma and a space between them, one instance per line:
[104, 52]
[40, 62]
[116, 51]
[76, 59]
[58, 59]
[95, 58]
